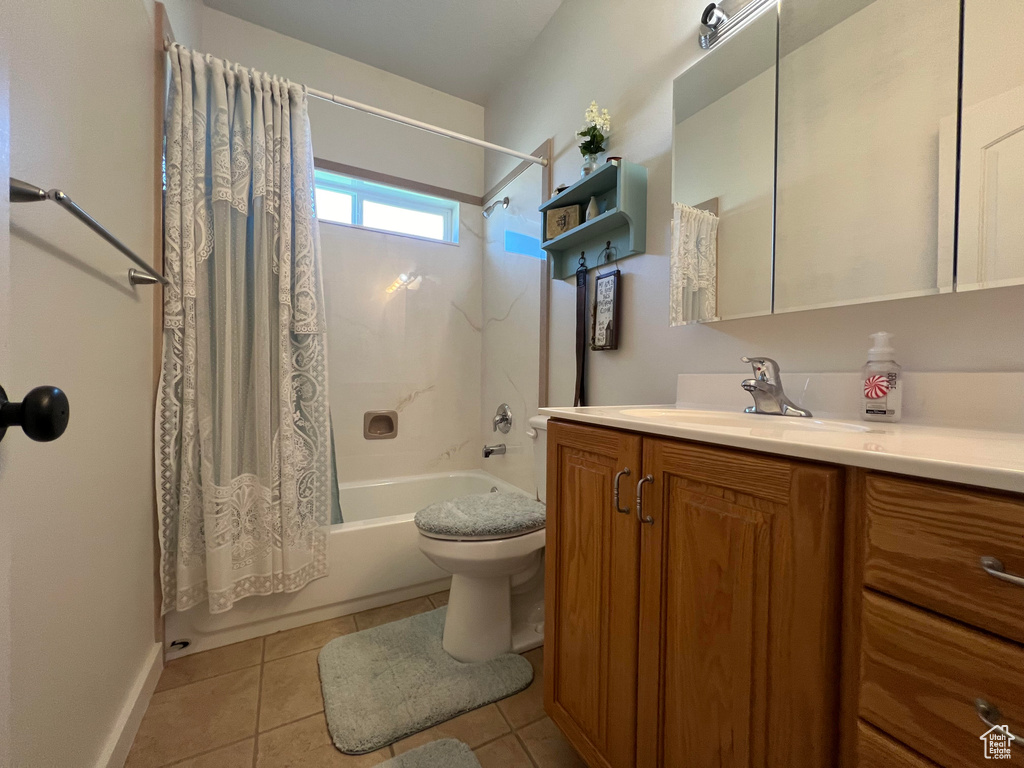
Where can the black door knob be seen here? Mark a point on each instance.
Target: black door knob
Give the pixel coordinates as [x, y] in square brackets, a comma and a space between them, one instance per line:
[42, 415]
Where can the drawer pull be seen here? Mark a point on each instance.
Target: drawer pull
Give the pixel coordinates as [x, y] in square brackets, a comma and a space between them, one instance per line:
[615, 493]
[640, 500]
[990, 716]
[994, 567]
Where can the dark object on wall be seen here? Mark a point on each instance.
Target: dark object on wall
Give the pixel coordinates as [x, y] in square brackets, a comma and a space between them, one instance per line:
[42, 415]
[604, 319]
[608, 254]
[580, 397]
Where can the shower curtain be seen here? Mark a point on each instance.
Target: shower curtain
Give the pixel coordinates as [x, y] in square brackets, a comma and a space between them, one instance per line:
[242, 426]
[693, 269]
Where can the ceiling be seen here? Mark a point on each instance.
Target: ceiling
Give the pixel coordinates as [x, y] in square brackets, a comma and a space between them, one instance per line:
[461, 47]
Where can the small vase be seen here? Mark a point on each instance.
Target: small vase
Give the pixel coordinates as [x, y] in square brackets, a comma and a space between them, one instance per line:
[589, 165]
[593, 209]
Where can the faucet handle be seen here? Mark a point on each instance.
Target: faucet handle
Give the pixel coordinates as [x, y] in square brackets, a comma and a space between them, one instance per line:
[765, 369]
[502, 421]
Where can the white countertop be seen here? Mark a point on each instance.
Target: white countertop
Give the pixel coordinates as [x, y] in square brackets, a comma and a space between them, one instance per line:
[989, 459]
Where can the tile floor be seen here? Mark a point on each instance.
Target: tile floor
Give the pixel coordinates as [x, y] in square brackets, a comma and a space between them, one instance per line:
[258, 704]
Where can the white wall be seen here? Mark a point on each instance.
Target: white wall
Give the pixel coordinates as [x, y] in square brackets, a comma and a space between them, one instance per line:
[637, 51]
[417, 352]
[82, 118]
[186, 17]
[355, 138]
[5, 323]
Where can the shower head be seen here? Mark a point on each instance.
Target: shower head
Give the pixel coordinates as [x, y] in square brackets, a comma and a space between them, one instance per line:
[490, 208]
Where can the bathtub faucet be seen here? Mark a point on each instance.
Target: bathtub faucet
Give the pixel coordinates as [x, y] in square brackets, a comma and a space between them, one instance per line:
[494, 450]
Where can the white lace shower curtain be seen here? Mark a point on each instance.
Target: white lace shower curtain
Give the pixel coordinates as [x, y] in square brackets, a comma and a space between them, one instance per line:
[694, 265]
[243, 441]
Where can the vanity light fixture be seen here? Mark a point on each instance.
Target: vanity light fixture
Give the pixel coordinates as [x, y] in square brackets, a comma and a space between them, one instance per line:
[716, 24]
[712, 18]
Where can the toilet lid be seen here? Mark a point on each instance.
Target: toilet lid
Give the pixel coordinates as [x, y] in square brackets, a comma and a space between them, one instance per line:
[482, 516]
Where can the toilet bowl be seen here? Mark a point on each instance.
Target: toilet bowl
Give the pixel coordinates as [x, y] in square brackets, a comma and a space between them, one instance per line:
[493, 545]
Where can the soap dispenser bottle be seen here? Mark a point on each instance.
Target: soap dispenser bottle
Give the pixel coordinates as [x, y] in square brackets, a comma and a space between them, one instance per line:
[883, 385]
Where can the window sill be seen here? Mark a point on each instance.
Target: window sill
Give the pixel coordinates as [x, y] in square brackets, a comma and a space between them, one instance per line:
[388, 233]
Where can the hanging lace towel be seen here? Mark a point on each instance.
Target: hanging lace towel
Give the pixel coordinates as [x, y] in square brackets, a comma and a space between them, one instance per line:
[694, 265]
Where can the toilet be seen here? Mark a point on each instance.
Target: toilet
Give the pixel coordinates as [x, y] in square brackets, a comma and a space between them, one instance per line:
[493, 546]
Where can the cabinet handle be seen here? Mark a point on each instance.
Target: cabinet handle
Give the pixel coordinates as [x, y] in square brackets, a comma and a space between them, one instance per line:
[615, 491]
[640, 500]
[993, 566]
[990, 716]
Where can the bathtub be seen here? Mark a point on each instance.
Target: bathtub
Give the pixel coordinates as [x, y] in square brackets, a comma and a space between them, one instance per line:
[373, 560]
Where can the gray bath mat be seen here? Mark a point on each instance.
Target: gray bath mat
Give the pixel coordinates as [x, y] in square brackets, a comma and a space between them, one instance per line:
[446, 753]
[383, 684]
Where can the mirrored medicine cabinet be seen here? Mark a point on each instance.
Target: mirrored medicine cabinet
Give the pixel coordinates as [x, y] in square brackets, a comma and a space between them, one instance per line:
[833, 141]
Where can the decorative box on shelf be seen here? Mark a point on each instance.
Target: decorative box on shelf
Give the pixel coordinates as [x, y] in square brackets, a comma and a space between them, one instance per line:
[620, 188]
[558, 221]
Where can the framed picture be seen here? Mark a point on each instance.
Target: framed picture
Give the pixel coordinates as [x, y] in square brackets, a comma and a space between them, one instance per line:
[604, 319]
[560, 220]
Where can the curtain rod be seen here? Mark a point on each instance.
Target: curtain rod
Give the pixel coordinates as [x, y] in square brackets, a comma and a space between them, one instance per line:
[396, 118]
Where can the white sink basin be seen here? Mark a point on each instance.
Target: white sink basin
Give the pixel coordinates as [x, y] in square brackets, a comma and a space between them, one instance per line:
[683, 417]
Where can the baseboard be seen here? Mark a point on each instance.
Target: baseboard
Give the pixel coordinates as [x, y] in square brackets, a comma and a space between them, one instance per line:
[119, 743]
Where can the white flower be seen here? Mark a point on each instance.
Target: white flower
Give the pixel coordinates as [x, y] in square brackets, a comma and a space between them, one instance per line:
[600, 118]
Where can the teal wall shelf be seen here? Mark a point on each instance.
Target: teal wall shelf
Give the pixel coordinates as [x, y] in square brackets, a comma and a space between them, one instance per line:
[621, 192]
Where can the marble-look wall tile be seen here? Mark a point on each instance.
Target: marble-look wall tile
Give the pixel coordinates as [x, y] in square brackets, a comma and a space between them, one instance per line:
[511, 330]
[443, 354]
[416, 351]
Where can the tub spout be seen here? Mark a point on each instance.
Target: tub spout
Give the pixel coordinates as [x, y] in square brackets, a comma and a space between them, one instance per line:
[494, 450]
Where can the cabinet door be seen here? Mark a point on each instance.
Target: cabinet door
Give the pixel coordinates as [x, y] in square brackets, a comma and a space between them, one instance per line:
[739, 625]
[592, 592]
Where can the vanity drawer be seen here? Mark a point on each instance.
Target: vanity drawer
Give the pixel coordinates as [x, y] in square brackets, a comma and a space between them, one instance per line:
[920, 676]
[924, 543]
[876, 750]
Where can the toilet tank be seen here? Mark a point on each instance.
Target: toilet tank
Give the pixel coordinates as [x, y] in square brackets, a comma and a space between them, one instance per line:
[539, 433]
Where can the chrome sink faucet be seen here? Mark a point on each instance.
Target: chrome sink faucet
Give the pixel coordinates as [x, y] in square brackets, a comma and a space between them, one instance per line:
[766, 389]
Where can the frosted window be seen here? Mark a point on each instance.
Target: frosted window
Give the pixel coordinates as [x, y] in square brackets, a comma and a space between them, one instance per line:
[333, 206]
[403, 220]
[361, 203]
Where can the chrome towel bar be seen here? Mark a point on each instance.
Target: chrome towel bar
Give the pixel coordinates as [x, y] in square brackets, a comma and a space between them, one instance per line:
[23, 192]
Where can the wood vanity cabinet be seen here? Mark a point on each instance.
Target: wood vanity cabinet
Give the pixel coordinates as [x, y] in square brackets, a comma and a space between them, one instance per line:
[929, 635]
[698, 622]
[592, 591]
[701, 629]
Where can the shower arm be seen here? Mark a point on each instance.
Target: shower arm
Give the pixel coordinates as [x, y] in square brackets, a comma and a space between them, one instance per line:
[490, 208]
[23, 192]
